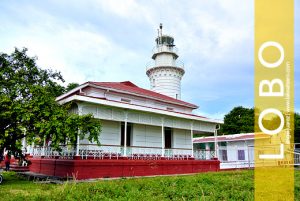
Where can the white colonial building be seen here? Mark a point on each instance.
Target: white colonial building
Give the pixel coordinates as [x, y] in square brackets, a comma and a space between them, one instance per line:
[233, 151]
[137, 122]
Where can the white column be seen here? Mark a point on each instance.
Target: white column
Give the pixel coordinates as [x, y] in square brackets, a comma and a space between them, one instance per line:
[44, 147]
[24, 145]
[78, 138]
[216, 141]
[207, 151]
[192, 139]
[162, 138]
[32, 148]
[125, 138]
[125, 134]
[215, 134]
[78, 144]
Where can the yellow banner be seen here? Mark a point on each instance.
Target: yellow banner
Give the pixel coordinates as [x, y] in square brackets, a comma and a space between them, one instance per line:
[274, 100]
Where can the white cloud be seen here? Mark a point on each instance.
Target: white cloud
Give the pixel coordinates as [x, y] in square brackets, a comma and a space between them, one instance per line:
[127, 9]
[201, 29]
[208, 29]
[112, 41]
[216, 116]
[80, 53]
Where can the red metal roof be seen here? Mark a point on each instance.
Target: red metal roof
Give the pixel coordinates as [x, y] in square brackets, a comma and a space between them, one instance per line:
[128, 86]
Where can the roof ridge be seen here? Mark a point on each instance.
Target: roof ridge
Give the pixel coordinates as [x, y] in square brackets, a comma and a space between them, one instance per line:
[128, 83]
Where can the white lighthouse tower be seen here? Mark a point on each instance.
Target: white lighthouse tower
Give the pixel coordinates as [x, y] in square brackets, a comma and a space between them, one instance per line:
[165, 73]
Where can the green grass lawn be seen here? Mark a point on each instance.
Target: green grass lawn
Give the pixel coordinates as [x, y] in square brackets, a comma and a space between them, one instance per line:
[233, 185]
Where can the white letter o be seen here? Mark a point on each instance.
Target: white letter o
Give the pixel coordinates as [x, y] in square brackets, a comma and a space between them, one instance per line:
[261, 126]
[268, 44]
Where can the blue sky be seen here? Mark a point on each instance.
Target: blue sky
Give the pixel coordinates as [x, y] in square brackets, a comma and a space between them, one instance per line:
[112, 41]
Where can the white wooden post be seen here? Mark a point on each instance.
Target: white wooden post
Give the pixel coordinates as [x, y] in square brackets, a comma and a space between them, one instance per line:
[162, 138]
[78, 144]
[207, 151]
[44, 147]
[216, 142]
[192, 139]
[24, 143]
[125, 138]
[215, 134]
[125, 134]
[32, 149]
[78, 138]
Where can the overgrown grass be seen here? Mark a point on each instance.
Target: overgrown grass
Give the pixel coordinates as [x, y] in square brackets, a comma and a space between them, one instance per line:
[233, 185]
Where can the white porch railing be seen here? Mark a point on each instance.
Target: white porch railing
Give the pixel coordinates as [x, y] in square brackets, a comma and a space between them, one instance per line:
[47, 152]
[113, 152]
[144, 153]
[203, 154]
[100, 152]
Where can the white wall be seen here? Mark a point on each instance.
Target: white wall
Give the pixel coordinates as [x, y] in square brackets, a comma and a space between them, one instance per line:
[167, 81]
[144, 135]
[111, 133]
[182, 139]
[234, 146]
[94, 92]
[165, 59]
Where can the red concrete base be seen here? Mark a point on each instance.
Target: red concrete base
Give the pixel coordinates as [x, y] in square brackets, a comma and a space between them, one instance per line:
[87, 169]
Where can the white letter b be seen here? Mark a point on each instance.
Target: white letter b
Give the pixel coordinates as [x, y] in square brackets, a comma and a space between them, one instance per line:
[270, 85]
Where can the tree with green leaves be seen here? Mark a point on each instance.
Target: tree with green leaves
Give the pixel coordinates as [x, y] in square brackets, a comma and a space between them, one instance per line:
[71, 86]
[238, 120]
[28, 107]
